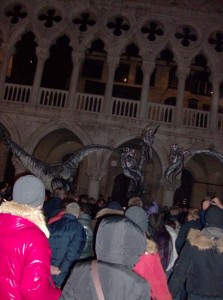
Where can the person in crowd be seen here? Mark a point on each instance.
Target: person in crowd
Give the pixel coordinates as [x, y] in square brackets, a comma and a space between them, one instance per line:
[100, 203]
[135, 201]
[61, 211]
[85, 219]
[149, 266]
[205, 205]
[175, 215]
[24, 247]
[171, 228]
[5, 191]
[83, 199]
[67, 241]
[161, 236]
[192, 221]
[119, 245]
[3, 187]
[200, 264]
[112, 208]
[52, 206]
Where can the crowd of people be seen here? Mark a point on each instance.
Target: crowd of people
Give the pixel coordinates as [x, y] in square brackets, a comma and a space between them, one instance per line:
[64, 246]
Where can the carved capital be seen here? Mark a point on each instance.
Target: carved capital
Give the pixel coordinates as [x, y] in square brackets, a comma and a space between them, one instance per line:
[182, 72]
[77, 57]
[42, 53]
[113, 61]
[148, 67]
[7, 49]
[96, 174]
[216, 78]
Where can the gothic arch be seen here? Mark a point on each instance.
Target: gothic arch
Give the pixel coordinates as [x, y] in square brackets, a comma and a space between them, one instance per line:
[41, 132]
[11, 127]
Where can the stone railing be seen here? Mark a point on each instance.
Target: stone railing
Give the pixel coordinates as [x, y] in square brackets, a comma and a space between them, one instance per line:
[196, 118]
[17, 93]
[52, 97]
[160, 113]
[124, 108]
[118, 107]
[88, 102]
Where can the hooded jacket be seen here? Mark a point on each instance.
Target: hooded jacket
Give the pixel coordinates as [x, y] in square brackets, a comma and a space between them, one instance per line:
[149, 267]
[24, 254]
[67, 240]
[119, 244]
[200, 265]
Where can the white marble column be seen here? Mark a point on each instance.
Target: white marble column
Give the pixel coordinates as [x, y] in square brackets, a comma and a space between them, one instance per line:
[216, 81]
[147, 68]
[8, 51]
[42, 54]
[113, 62]
[182, 74]
[77, 59]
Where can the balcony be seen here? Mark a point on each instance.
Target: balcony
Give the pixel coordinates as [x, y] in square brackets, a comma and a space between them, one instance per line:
[123, 108]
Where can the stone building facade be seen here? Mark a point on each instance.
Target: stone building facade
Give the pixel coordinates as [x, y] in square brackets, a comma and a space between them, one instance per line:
[75, 73]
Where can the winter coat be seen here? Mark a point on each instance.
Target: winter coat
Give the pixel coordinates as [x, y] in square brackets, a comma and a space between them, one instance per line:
[150, 268]
[200, 265]
[84, 220]
[119, 245]
[182, 235]
[24, 254]
[67, 240]
[173, 252]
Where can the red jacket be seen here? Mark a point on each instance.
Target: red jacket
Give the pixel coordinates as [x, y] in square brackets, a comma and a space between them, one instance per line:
[149, 267]
[24, 255]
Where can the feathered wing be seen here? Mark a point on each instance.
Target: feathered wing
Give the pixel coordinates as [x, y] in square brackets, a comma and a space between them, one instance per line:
[54, 175]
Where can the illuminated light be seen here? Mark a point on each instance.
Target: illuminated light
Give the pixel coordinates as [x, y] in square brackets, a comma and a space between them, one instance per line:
[125, 79]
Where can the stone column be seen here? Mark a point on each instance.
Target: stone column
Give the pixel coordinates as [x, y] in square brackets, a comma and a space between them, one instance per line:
[8, 51]
[42, 55]
[147, 68]
[113, 62]
[77, 59]
[216, 81]
[182, 76]
[168, 196]
[95, 176]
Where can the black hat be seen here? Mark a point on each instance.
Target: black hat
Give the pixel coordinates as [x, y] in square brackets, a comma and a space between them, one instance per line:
[214, 216]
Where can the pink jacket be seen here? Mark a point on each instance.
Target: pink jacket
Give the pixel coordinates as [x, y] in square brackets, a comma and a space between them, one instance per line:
[149, 267]
[24, 255]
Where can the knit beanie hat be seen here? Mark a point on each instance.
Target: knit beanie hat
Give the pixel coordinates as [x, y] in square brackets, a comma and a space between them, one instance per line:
[214, 216]
[138, 215]
[114, 205]
[29, 190]
[73, 209]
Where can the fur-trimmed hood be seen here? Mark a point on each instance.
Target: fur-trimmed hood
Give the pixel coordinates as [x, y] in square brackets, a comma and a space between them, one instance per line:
[208, 238]
[32, 214]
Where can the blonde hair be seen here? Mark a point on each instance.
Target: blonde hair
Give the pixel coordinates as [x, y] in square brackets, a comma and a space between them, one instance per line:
[135, 201]
[194, 213]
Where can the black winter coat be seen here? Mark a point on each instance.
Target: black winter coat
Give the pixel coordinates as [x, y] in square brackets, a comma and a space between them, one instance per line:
[200, 265]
